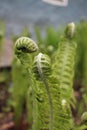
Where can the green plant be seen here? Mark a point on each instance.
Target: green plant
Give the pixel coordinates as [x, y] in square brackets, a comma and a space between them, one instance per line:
[20, 82]
[64, 62]
[81, 66]
[49, 41]
[42, 68]
[24, 48]
[52, 88]
[2, 33]
[25, 33]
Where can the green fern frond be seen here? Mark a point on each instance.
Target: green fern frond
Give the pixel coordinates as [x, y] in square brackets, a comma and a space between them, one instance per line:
[24, 47]
[65, 63]
[60, 109]
[52, 89]
[2, 33]
[63, 69]
[42, 69]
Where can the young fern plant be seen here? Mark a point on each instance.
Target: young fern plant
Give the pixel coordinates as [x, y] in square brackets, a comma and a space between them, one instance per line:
[24, 49]
[65, 62]
[42, 69]
[63, 68]
[52, 90]
[59, 83]
[2, 33]
[53, 110]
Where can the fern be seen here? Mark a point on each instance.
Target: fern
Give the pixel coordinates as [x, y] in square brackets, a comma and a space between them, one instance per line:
[64, 71]
[39, 36]
[23, 48]
[59, 109]
[49, 41]
[51, 37]
[65, 62]
[83, 33]
[2, 33]
[20, 82]
[52, 89]
[42, 69]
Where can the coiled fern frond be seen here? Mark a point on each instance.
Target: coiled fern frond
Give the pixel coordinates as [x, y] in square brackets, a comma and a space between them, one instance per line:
[42, 68]
[42, 62]
[24, 48]
[26, 45]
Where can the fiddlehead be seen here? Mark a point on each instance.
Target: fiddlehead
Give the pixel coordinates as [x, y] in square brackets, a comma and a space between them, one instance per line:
[42, 68]
[23, 48]
[42, 64]
[26, 45]
[70, 30]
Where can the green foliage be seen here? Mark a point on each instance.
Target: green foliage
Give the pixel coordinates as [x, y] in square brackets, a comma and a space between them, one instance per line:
[5, 75]
[25, 33]
[81, 39]
[52, 89]
[49, 41]
[81, 65]
[23, 48]
[42, 69]
[83, 33]
[45, 84]
[2, 33]
[20, 86]
[49, 91]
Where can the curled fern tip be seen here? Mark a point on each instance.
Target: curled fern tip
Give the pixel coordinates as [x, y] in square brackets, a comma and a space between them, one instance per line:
[70, 30]
[26, 45]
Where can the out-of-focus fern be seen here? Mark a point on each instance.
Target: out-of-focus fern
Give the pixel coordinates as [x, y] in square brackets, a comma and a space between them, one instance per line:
[83, 123]
[81, 64]
[2, 33]
[39, 36]
[25, 33]
[20, 87]
[83, 33]
[52, 37]
[81, 40]
[49, 41]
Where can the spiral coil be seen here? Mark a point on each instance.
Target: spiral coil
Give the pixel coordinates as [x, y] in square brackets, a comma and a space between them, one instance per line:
[70, 30]
[45, 65]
